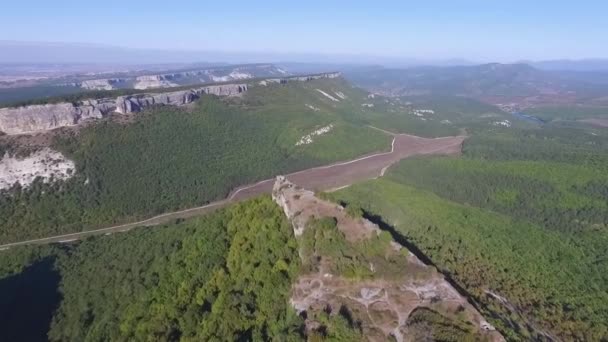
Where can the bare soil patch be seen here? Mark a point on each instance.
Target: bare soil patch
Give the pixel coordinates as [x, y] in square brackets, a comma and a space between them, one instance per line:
[369, 167]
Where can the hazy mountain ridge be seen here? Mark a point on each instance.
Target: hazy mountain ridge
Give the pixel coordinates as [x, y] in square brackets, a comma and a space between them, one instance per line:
[493, 83]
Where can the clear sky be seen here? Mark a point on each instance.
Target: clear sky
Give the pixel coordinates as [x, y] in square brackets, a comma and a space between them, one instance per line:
[497, 30]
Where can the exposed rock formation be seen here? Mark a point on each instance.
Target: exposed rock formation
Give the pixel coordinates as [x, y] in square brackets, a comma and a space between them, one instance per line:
[377, 281]
[154, 81]
[34, 118]
[300, 78]
[103, 84]
[47, 164]
[136, 103]
[219, 74]
[44, 117]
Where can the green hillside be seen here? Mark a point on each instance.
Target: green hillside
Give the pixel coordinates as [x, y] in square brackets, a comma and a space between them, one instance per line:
[519, 222]
[226, 276]
[223, 276]
[169, 158]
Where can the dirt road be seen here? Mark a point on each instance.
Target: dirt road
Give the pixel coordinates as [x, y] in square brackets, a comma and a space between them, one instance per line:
[327, 177]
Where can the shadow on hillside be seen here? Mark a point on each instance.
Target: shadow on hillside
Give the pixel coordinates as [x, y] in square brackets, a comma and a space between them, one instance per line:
[403, 241]
[28, 301]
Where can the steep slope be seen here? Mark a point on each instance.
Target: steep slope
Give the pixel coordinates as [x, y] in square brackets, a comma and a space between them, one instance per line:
[351, 268]
[235, 274]
[519, 222]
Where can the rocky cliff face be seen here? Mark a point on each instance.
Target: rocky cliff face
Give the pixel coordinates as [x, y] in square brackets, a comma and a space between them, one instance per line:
[300, 78]
[44, 117]
[208, 75]
[102, 84]
[136, 103]
[154, 81]
[35, 118]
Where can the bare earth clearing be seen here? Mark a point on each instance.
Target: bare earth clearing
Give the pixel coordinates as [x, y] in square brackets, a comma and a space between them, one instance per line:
[328, 177]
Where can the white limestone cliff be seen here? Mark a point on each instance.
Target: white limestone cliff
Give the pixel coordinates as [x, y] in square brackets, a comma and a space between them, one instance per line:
[36, 118]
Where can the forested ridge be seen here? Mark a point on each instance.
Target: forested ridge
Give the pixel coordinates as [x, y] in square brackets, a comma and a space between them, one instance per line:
[224, 276]
[519, 221]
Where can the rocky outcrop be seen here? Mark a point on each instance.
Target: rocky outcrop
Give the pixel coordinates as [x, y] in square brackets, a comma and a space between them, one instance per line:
[103, 84]
[154, 81]
[35, 118]
[304, 78]
[218, 74]
[136, 103]
[46, 164]
[390, 283]
[44, 117]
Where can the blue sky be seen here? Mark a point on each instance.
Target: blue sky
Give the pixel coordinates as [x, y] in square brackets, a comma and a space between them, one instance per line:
[476, 30]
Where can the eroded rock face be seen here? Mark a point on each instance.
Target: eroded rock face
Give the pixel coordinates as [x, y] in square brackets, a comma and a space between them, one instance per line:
[306, 78]
[102, 84]
[36, 118]
[154, 81]
[137, 103]
[44, 117]
[391, 284]
[47, 164]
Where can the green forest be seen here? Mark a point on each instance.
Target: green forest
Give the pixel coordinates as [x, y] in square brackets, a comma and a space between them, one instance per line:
[171, 158]
[224, 276]
[519, 221]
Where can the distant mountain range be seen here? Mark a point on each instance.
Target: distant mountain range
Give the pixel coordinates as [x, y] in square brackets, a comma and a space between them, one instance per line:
[45, 52]
[572, 65]
[78, 53]
[495, 83]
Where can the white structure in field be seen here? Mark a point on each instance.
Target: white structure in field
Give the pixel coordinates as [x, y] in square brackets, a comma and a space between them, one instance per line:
[311, 107]
[503, 123]
[327, 95]
[308, 138]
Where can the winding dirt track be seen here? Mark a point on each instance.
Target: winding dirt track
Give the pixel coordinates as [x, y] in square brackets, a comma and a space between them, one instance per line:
[333, 176]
